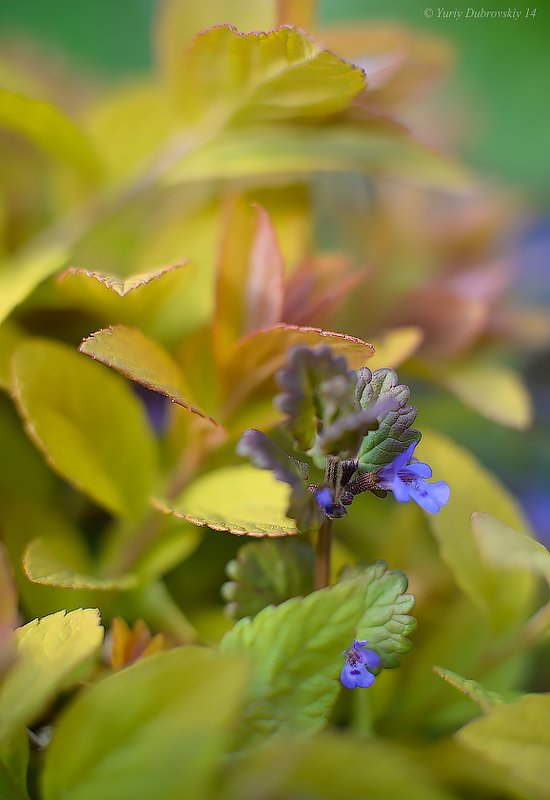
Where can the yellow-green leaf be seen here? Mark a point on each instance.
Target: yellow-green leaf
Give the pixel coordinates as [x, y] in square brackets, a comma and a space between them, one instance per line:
[155, 729]
[45, 561]
[505, 547]
[47, 127]
[122, 286]
[21, 275]
[497, 392]
[484, 698]
[10, 337]
[89, 425]
[395, 346]
[273, 76]
[49, 650]
[241, 500]
[504, 597]
[136, 356]
[515, 737]
[381, 149]
[9, 607]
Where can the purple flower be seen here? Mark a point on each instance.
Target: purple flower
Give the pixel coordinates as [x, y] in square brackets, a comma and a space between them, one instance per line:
[356, 672]
[408, 481]
[325, 500]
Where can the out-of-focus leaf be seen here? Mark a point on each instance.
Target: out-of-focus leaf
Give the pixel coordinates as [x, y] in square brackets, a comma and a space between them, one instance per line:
[266, 77]
[178, 23]
[45, 562]
[515, 737]
[257, 357]
[10, 337]
[265, 454]
[9, 606]
[297, 648]
[496, 392]
[155, 728]
[88, 423]
[396, 346]
[122, 286]
[176, 543]
[317, 390]
[504, 597]
[298, 13]
[24, 520]
[136, 356]
[241, 500]
[250, 282]
[386, 622]
[14, 760]
[49, 649]
[394, 433]
[25, 466]
[268, 573]
[21, 274]
[483, 697]
[502, 546]
[48, 128]
[300, 768]
[376, 148]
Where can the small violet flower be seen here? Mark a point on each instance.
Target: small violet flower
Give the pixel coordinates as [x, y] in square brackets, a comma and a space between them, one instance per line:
[407, 481]
[325, 500]
[356, 672]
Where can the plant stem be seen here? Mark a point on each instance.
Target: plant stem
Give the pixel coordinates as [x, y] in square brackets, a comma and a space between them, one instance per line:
[322, 554]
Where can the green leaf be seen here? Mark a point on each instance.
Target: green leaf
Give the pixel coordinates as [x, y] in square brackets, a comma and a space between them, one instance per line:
[297, 647]
[377, 147]
[274, 76]
[14, 760]
[24, 271]
[503, 597]
[90, 426]
[268, 573]
[9, 606]
[47, 127]
[46, 562]
[394, 434]
[386, 622]
[495, 391]
[265, 454]
[502, 546]
[136, 356]
[483, 697]
[156, 728]
[332, 766]
[516, 738]
[241, 500]
[49, 649]
[10, 337]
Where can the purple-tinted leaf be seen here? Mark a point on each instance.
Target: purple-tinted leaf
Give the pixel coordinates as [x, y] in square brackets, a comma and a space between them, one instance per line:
[394, 433]
[265, 454]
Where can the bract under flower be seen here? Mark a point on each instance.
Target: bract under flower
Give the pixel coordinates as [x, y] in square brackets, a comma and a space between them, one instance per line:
[408, 481]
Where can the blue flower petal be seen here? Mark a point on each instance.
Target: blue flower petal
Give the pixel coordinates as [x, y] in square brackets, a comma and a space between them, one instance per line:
[419, 469]
[370, 659]
[358, 676]
[401, 490]
[440, 491]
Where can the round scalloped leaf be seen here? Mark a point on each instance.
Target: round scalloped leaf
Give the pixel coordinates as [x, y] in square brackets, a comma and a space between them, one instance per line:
[386, 622]
[297, 649]
[268, 573]
[241, 500]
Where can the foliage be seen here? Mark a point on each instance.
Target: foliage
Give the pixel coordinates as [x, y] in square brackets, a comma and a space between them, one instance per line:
[206, 266]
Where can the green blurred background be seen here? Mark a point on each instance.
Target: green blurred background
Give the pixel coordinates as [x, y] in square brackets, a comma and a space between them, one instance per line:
[501, 74]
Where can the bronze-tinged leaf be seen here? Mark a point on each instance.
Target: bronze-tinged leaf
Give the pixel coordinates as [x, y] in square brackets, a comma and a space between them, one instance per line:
[250, 281]
[122, 286]
[136, 356]
[256, 358]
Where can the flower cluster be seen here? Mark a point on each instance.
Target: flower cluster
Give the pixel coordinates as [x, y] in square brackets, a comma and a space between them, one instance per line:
[360, 662]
